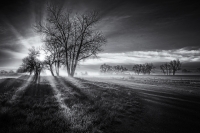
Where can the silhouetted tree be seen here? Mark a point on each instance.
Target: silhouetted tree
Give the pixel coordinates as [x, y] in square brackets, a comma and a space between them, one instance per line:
[148, 68]
[162, 67]
[118, 69]
[32, 64]
[112, 69]
[50, 49]
[27, 65]
[105, 68]
[137, 68]
[75, 35]
[171, 67]
[175, 66]
[38, 68]
[143, 68]
[168, 68]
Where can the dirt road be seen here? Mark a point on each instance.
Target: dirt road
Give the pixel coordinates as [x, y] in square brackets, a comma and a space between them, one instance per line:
[167, 108]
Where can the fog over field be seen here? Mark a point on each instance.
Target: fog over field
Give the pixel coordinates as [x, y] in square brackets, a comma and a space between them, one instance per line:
[99, 66]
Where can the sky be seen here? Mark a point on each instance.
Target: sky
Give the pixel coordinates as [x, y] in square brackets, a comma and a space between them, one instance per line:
[136, 31]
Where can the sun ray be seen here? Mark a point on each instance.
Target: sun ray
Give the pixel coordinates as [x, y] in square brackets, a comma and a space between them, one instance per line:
[21, 90]
[74, 82]
[21, 39]
[58, 96]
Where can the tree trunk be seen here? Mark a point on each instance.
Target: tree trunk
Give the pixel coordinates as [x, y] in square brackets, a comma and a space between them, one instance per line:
[38, 81]
[58, 67]
[173, 72]
[74, 68]
[72, 73]
[67, 64]
[51, 70]
[36, 75]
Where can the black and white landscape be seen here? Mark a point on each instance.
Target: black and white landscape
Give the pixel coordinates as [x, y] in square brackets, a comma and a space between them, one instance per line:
[99, 66]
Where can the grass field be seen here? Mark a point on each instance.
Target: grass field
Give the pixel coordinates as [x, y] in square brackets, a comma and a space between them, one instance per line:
[99, 105]
[59, 105]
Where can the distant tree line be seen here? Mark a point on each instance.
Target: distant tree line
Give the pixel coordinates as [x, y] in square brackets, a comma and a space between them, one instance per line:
[167, 68]
[112, 69]
[138, 68]
[171, 68]
[6, 72]
[143, 68]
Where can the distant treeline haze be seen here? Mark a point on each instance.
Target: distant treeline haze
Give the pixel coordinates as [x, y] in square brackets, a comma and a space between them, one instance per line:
[168, 68]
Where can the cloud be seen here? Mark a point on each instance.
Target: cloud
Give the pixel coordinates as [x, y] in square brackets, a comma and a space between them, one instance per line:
[3, 30]
[183, 54]
[12, 54]
[10, 59]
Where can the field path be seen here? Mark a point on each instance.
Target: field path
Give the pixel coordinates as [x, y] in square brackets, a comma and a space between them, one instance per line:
[166, 108]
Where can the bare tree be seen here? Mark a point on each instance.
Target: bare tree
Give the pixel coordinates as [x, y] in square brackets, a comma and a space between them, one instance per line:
[53, 41]
[74, 35]
[175, 66]
[143, 68]
[50, 55]
[149, 67]
[137, 68]
[171, 67]
[48, 64]
[162, 67]
[106, 68]
[84, 41]
[27, 64]
[168, 68]
[112, 69]
[32, 64]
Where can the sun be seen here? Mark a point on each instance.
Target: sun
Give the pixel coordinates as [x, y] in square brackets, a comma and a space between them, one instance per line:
[41, 56]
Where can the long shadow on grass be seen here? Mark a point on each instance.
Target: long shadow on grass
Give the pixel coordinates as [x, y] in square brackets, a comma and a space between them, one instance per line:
[81, 96]
[35, 112]
[10, 83]
[8, 88]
